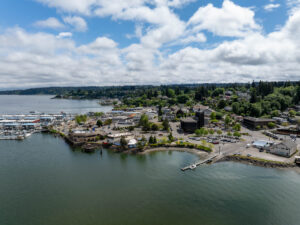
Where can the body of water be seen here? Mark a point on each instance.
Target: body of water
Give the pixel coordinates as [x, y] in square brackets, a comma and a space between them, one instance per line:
[43, 181]
[13, 104]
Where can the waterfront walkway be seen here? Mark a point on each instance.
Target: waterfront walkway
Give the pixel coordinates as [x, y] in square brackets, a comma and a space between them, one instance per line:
[194, 165]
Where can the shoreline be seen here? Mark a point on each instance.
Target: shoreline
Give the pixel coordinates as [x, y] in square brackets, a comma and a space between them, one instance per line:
[200, 153]
[178, 149]
[257, 162]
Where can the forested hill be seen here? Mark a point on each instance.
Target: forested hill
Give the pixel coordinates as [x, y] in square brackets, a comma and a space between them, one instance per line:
[98, 92]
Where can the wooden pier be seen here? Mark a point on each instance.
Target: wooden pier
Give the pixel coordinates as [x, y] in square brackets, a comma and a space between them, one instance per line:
[194, 165]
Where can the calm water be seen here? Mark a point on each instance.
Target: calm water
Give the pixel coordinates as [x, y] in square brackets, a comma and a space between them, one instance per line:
[11, 104]
[45, 182]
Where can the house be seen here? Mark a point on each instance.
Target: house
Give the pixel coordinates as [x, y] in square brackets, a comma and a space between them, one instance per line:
[243, 95]
[286, 148]
[279, 120]
[228, 108]
[228, 93]
[207, 111]
[253, 123]
[115, 138]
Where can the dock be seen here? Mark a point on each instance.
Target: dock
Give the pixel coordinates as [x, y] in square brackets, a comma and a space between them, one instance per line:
[198, 163]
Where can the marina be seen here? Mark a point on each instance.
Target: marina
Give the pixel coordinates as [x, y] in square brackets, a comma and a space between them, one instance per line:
[21, 126]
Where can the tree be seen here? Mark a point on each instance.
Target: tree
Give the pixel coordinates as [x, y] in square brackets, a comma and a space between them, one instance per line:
[81, 118]
[292, 113]
[131, 128]
[154, 127]
[182, 99]
[150, 140]
[227, 120]
[154, 140]
[219, 132]
[99, 123]
[144, 120]
[171, 138]
[237, 127]
[255, 110]
[170, 93]
[236, 134]
[222, 104]
[108, 122]
[166, 124]
[159, 110]
[235, 107]
[211, 131]
[123, 142]
[217, 92]
[253, 98]
[219, 116]
[201, 93]
[271, 125]
[213, 116]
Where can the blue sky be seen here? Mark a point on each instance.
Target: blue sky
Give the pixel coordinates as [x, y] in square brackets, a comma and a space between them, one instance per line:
[117, 42]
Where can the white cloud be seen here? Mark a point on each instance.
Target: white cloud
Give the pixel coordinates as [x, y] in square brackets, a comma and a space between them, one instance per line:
[271, 7]
[64, 35]
[51, 22]
[42, 59]
[77, 22]
[230, 20]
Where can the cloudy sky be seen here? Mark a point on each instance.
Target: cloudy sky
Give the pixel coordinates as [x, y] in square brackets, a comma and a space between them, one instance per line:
[121, 42]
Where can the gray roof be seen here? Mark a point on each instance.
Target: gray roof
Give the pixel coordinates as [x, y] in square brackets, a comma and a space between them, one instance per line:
[289, 143]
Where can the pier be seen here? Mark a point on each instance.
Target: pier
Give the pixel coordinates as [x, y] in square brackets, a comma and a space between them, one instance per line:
[198, 163]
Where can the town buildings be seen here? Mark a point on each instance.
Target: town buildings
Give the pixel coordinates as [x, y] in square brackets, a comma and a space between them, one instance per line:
[254, 123]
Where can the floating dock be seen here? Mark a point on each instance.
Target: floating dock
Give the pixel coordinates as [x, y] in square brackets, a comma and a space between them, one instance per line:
[194, 165]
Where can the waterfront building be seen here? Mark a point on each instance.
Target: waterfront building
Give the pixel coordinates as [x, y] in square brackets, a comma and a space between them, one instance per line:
[286, 148]
[79, 137]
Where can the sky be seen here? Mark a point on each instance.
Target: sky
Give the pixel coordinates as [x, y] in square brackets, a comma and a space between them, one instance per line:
[134, 42]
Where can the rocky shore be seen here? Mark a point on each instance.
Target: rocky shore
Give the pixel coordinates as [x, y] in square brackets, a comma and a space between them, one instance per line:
[257, 162]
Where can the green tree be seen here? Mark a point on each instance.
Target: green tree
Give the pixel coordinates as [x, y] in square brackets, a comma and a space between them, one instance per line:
[222, 104]
[154, 127]
[213, 116]
[227, 120]
[237, 127]
[166, 124]
[235, 107]
[271, 125]
[108, 122]
[236, 134]
[171, 138]
[151, 140]
[99, 123]
[292, 113]
[123, 142]
[182, 99]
